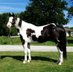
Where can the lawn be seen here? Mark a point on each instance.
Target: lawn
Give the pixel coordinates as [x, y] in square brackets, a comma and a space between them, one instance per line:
[41, 62]
[16, 41]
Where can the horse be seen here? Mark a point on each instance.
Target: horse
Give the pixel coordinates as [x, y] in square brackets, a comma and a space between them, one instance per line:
[29, 32]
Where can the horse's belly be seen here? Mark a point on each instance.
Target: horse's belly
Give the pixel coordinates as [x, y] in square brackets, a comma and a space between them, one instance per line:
[39, 39]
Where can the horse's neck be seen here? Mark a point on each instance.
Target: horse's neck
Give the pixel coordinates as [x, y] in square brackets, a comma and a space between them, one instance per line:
[17, 22]
[25, 25]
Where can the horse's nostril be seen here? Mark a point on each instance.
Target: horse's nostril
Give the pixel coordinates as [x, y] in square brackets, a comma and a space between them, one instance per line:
[7, 25]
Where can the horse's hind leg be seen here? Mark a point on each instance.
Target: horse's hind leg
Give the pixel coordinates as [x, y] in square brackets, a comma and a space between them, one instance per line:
[60, 60]
[62, 48]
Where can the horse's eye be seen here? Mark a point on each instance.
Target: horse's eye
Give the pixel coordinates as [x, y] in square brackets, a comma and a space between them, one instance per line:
[53, 27]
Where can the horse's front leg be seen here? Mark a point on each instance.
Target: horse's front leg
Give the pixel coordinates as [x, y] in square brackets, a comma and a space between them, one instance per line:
[27, 52]
[24, 47]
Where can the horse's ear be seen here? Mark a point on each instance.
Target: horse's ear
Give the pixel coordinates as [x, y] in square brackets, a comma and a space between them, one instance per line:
[13, 14]
[9, 14]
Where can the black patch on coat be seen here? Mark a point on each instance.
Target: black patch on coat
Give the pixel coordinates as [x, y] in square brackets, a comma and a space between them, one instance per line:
[18, 30]
[29, 31]
[20, 23]
[13, 20]
[34, 38]
[28, 45]
[41, 39]
[22, 40]
[50, 32]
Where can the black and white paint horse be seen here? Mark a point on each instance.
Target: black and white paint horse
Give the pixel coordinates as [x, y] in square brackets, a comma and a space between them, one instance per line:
[29, 32]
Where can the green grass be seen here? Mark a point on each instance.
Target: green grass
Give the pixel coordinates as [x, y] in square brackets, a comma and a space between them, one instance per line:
[70, 41]
[16, 41]
[11, 41]
[41, 62]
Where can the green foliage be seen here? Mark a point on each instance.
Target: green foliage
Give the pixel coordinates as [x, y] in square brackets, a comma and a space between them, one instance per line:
[3, 21]
[71, 28]
[13, 31]
[40, 12]
[71, 10]
[4, 40]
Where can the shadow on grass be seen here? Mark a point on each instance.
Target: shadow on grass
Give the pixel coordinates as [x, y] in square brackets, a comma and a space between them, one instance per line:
[43, 58]
[33, 58]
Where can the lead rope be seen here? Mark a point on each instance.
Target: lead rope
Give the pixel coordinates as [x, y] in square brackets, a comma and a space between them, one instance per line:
[9, 36]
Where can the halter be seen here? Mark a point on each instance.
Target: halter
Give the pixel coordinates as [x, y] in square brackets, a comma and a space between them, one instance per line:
[13, 21]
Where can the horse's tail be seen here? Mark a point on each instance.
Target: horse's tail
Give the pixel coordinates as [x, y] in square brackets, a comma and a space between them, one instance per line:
[62, 43]
[64, 47]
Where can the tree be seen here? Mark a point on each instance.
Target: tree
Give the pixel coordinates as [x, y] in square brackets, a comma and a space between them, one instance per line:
[40, 12]
[70, 12]
[3, 21]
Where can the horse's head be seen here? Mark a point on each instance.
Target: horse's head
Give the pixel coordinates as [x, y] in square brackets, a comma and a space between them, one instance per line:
[12, 20]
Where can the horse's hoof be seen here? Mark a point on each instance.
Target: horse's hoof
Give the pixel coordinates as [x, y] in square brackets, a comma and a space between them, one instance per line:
[24, 62]
[29, 61]
[60, 63]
